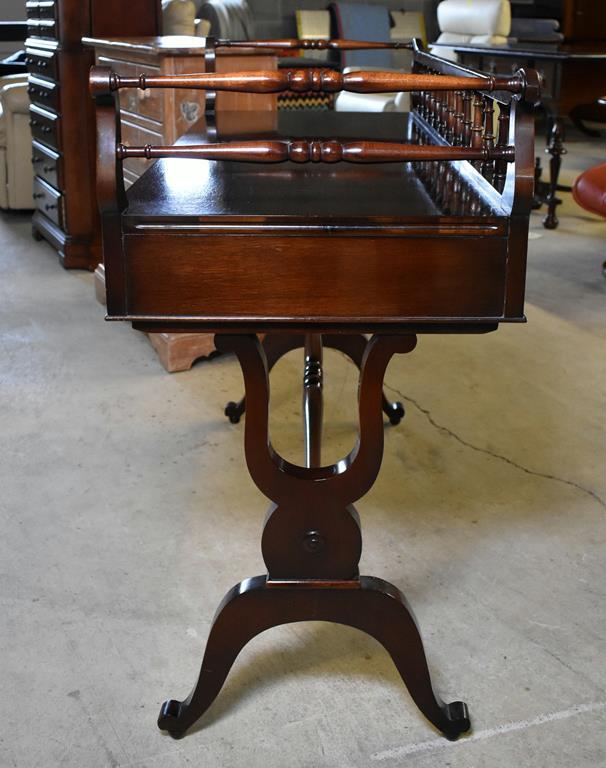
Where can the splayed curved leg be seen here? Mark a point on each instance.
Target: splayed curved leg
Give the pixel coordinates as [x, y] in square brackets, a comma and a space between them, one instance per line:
[371, 605]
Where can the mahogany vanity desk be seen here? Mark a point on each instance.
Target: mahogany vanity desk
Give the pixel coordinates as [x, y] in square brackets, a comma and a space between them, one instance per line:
[397, 225]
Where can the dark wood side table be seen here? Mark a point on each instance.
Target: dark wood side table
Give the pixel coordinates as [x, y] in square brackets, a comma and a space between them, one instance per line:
[284, 237]
[574, 74]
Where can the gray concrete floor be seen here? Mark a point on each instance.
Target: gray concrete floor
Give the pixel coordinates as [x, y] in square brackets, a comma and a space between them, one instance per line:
[126, 513]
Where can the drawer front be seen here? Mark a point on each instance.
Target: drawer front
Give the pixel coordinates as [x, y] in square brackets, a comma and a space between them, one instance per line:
[45, 126]
[42, 63]
[137, 135]
[47, 164]
[148, 103]
[366, 278]
[43, 92]
[48, 201]
[48, 29]
[41, 9]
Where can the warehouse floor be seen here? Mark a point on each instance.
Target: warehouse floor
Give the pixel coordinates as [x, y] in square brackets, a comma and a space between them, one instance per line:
[127, 513]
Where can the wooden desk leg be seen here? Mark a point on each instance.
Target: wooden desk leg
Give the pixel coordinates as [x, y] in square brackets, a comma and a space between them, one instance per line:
[311, 542]
[353, 345]
[555, 148]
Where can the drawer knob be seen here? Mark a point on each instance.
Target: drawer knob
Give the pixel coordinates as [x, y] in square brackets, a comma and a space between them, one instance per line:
[49, 207]
[48, 168]
[38, 195]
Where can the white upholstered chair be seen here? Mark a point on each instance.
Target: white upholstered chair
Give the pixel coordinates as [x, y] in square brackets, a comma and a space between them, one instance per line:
[16, 173]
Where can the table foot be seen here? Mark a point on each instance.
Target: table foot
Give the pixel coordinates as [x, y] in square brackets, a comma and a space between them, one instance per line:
[369, 604]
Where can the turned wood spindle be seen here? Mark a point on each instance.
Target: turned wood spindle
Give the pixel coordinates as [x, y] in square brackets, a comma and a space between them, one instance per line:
[477, 127]
[443, 113]
[487, 168]
[312, 400]
[433, 109]
[450, 117]
[500, 168]
[458, 119]
[467, 122]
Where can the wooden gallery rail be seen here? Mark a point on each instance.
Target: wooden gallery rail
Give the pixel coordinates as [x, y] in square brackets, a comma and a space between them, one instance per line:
[427, 234]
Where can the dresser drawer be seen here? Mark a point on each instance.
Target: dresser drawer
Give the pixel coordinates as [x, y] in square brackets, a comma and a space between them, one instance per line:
[47, 164]
[41, 9]
[48, 201]
[45, 126]
[47, 29]
[137, 135]
[148, 103]
[43, 92]
[42, 63]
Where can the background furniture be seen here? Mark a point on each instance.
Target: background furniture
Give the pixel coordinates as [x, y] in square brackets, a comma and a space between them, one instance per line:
[589, 191]
[153, 117]
[12, 33]
[277, 18]
[16, 177]
[62, 119]
[573, 73]
[435, 240]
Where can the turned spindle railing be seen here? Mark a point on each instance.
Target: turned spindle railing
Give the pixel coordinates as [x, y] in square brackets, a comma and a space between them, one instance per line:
[313, 80]
[453, 120]
[317, 151]
[479, 118]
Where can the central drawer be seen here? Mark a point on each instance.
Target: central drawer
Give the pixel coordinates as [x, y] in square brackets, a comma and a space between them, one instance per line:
[217, 278]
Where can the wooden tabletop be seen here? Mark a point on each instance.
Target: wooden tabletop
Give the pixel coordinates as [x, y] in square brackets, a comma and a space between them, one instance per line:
[189, 189]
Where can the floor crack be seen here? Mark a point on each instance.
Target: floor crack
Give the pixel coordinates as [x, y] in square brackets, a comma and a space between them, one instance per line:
[488, 452]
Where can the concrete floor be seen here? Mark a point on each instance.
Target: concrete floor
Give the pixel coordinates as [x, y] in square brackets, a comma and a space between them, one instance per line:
[127, 513]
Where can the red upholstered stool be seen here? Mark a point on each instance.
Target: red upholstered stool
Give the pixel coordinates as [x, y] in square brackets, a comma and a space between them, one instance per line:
[589, 191]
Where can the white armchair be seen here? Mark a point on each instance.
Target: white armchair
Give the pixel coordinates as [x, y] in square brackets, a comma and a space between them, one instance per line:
[16, 173]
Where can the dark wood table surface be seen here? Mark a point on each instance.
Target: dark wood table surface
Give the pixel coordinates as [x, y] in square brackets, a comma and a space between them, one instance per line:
[203, 188]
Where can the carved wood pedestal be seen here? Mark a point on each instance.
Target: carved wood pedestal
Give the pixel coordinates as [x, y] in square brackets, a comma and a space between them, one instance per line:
[311, 540]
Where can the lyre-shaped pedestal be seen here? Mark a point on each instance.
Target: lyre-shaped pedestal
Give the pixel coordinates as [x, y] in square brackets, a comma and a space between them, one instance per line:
[311, 540]
[353, 345]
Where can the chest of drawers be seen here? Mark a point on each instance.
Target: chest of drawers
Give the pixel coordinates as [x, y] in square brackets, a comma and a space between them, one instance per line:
[62, 121]
[161, 117]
